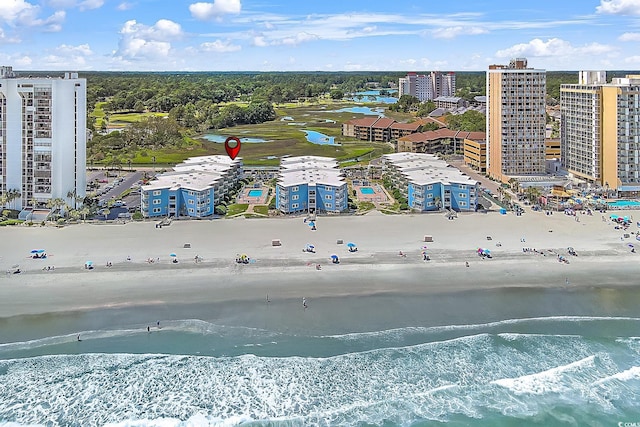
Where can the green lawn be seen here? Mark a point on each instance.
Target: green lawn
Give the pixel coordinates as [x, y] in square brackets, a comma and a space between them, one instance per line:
[236, 209]
[261, 209]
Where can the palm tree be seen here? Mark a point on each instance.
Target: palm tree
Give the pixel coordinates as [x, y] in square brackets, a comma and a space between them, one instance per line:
[436, 201]
[12, 195]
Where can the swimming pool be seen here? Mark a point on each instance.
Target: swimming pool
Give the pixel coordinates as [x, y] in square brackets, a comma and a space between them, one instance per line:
[367, 190]
[624, 203]
[255, 193]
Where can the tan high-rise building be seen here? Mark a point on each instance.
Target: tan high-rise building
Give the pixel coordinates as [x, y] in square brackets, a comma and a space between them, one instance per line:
[515, 120]
[600, 130]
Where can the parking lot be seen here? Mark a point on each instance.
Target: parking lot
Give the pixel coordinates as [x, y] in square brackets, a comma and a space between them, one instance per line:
[110, 185]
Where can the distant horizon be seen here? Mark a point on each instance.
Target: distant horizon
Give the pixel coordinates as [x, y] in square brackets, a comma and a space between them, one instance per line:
[298, 71]
[297, 36]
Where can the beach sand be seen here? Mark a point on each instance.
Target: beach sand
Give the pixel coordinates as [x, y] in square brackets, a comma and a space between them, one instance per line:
[286, 272]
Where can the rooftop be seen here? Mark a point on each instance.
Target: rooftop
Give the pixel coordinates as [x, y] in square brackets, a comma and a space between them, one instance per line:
[424, 169]
[310, 170]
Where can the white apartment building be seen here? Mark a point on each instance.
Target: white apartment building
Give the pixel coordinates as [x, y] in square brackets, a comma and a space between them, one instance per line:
[427, 87]
[600, 130]
[516, 120]
[42, 137]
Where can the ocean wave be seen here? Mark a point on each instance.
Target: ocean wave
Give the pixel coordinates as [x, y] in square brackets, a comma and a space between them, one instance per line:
[473, 376]
[396, 333]
[193, 326]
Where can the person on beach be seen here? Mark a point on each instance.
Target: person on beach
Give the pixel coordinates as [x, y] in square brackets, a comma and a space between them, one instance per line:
[79, 337]
[148, 329]
[158, 324]
[304, 303]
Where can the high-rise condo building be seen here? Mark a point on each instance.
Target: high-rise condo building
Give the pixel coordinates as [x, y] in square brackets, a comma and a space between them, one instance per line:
[427, 87]
[600, 130]
[43, 137]
[515, 120]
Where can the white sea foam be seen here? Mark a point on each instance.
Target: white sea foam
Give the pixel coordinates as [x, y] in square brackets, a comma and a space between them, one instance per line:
[632, 373]
[428, 381]
[194, 326]
[550, 381]
[401, 332]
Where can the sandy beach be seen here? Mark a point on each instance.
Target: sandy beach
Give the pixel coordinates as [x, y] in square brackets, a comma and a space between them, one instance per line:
[604, 259]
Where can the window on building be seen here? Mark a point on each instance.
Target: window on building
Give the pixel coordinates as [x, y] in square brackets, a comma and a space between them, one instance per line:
[295, 197]
[191, 210]
[295, 206]
[462, 195]
[157, 192]
[156, 210]
[462, 204]
[327, 188]
[328, 197]
[429, 187]
[157, 201]
[190, 202]
[429, 195]
[295, 189]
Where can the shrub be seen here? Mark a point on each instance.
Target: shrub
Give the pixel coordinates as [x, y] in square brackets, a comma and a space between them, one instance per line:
[220, 210]
[137, 216]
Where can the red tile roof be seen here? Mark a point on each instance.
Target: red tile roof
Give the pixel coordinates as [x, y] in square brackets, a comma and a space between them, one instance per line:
[383, 123]
[407, 126]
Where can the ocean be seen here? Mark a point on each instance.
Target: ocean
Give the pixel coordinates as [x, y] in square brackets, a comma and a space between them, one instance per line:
[497, 357]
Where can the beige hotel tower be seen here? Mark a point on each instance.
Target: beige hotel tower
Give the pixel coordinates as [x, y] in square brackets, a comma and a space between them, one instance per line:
[515, 120]
[600, 130]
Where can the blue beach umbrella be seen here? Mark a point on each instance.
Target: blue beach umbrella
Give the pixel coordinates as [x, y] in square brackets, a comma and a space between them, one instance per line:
[89, 263]
[334, 256]
[351, 245]
[311, 223]
[172, 254]
[310, 246]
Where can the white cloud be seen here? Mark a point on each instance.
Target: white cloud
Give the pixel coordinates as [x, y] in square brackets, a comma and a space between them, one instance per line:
[630, 37]
[297, 39]
[632, 59]
[453, 32]
[216, 9]
[219, 46]
[124, 6]
[619, 7]
[260, 41]
[80, 4]
[82, 50]
[90, 4]
[141, 41]
[554, 47]
[12, 10]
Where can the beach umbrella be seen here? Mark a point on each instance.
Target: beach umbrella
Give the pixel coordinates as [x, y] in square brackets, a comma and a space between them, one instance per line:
[35, 251]
[334, 256]
[311, 223]
[89, 263]
[310, 246]
[630, 245]
[172, 254]
[351, 245]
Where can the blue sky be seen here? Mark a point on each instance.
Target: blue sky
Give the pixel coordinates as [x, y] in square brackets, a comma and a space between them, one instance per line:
[314, 35]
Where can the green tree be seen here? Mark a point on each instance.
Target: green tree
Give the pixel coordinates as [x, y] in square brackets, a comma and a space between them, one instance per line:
[336, 94]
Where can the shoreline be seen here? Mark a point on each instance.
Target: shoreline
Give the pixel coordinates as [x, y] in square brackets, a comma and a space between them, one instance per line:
[604, 259]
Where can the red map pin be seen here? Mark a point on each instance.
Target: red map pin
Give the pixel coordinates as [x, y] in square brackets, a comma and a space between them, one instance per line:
[232, 145]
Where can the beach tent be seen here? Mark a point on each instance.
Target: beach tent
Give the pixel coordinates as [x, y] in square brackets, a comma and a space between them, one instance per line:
[503, 211]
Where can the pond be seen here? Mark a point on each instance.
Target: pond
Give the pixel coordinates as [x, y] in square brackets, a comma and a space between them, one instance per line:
[373, 96]
[220, 139]
[319, 138]
[362, 110]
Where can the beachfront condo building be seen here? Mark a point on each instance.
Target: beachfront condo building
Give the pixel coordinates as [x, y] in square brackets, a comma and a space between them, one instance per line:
[516, 120]
[600, 130]
[192, 189]
[427, 87]
[311, 184]
[430, 184]
[43, 134]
